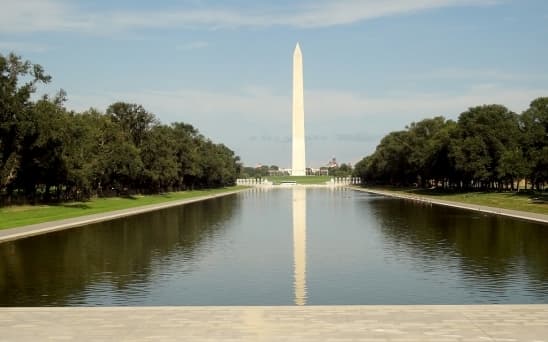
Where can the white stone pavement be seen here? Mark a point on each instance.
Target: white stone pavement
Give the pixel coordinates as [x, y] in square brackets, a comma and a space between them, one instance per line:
[524, 215]
[528, 323]
[52, 226]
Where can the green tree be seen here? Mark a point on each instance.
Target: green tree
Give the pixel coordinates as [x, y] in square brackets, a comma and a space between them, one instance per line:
[512, 167]
[15, 108]
[133, 119]
[187, 154]
[534, 126]
[391, 160]
[483, 136]
[81, 154]
[428, 140]
[42, 148]
[343, 170]
[158, 153]
[119, 164]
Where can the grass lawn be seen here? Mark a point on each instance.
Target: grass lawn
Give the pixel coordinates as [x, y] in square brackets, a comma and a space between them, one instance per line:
[16, 216]
[535, 203]
[300, 179]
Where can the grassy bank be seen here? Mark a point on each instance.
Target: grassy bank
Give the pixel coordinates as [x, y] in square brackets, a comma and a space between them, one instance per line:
[535, 203]
[16, 216]
[300, 179]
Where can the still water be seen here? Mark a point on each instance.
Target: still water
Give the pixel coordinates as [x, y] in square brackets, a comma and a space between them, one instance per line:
[283, 247]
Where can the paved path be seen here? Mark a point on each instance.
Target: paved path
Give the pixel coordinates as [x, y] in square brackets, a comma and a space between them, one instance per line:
[524, 215]
[279, 323]
[52, 226]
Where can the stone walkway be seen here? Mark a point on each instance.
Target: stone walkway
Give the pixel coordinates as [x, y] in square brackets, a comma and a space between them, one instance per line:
[52, 226]
[524, 215]
[279, 323]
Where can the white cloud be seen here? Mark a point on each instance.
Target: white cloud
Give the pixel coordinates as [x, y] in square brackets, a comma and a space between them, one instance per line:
[199, 107]
[61, 15]
[475, 75]
[332, 13]
[255, 121]
[415, 106]
[262, 106]
[191, 46]
[17, 47]
[40, 15]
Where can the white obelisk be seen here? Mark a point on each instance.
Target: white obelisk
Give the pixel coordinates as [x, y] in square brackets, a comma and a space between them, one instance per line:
[298, 167]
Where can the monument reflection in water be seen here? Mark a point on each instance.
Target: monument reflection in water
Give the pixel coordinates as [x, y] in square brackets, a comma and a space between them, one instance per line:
[299, 244]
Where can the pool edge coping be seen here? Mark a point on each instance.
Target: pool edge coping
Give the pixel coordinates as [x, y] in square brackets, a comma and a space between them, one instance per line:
[518, 214]
[16, 233]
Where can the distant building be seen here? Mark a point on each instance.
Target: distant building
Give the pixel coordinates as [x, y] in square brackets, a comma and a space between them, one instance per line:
[322, 171]
[279, 172]
[332, 163]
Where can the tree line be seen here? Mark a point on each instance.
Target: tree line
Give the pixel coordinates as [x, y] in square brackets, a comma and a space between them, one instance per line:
[49, 153]
[489, 147]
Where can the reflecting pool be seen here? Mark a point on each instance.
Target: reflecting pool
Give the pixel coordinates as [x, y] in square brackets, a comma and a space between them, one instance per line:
[283, 247]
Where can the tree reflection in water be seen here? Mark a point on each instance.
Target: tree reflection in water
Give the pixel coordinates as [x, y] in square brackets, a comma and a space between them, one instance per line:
[58, 268]
[491, 253]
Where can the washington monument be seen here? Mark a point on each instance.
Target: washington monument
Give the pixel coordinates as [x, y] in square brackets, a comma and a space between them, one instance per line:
[298, 167]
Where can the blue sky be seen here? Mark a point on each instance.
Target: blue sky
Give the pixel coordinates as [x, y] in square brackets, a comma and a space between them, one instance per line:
[370, 66]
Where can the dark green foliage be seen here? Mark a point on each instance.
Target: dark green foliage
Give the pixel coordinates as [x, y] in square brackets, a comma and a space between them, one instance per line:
[534, 126]
[133, 119]
[344, 170]
[15, 109]
[489, 147]
[255, 172]
[50, 154]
